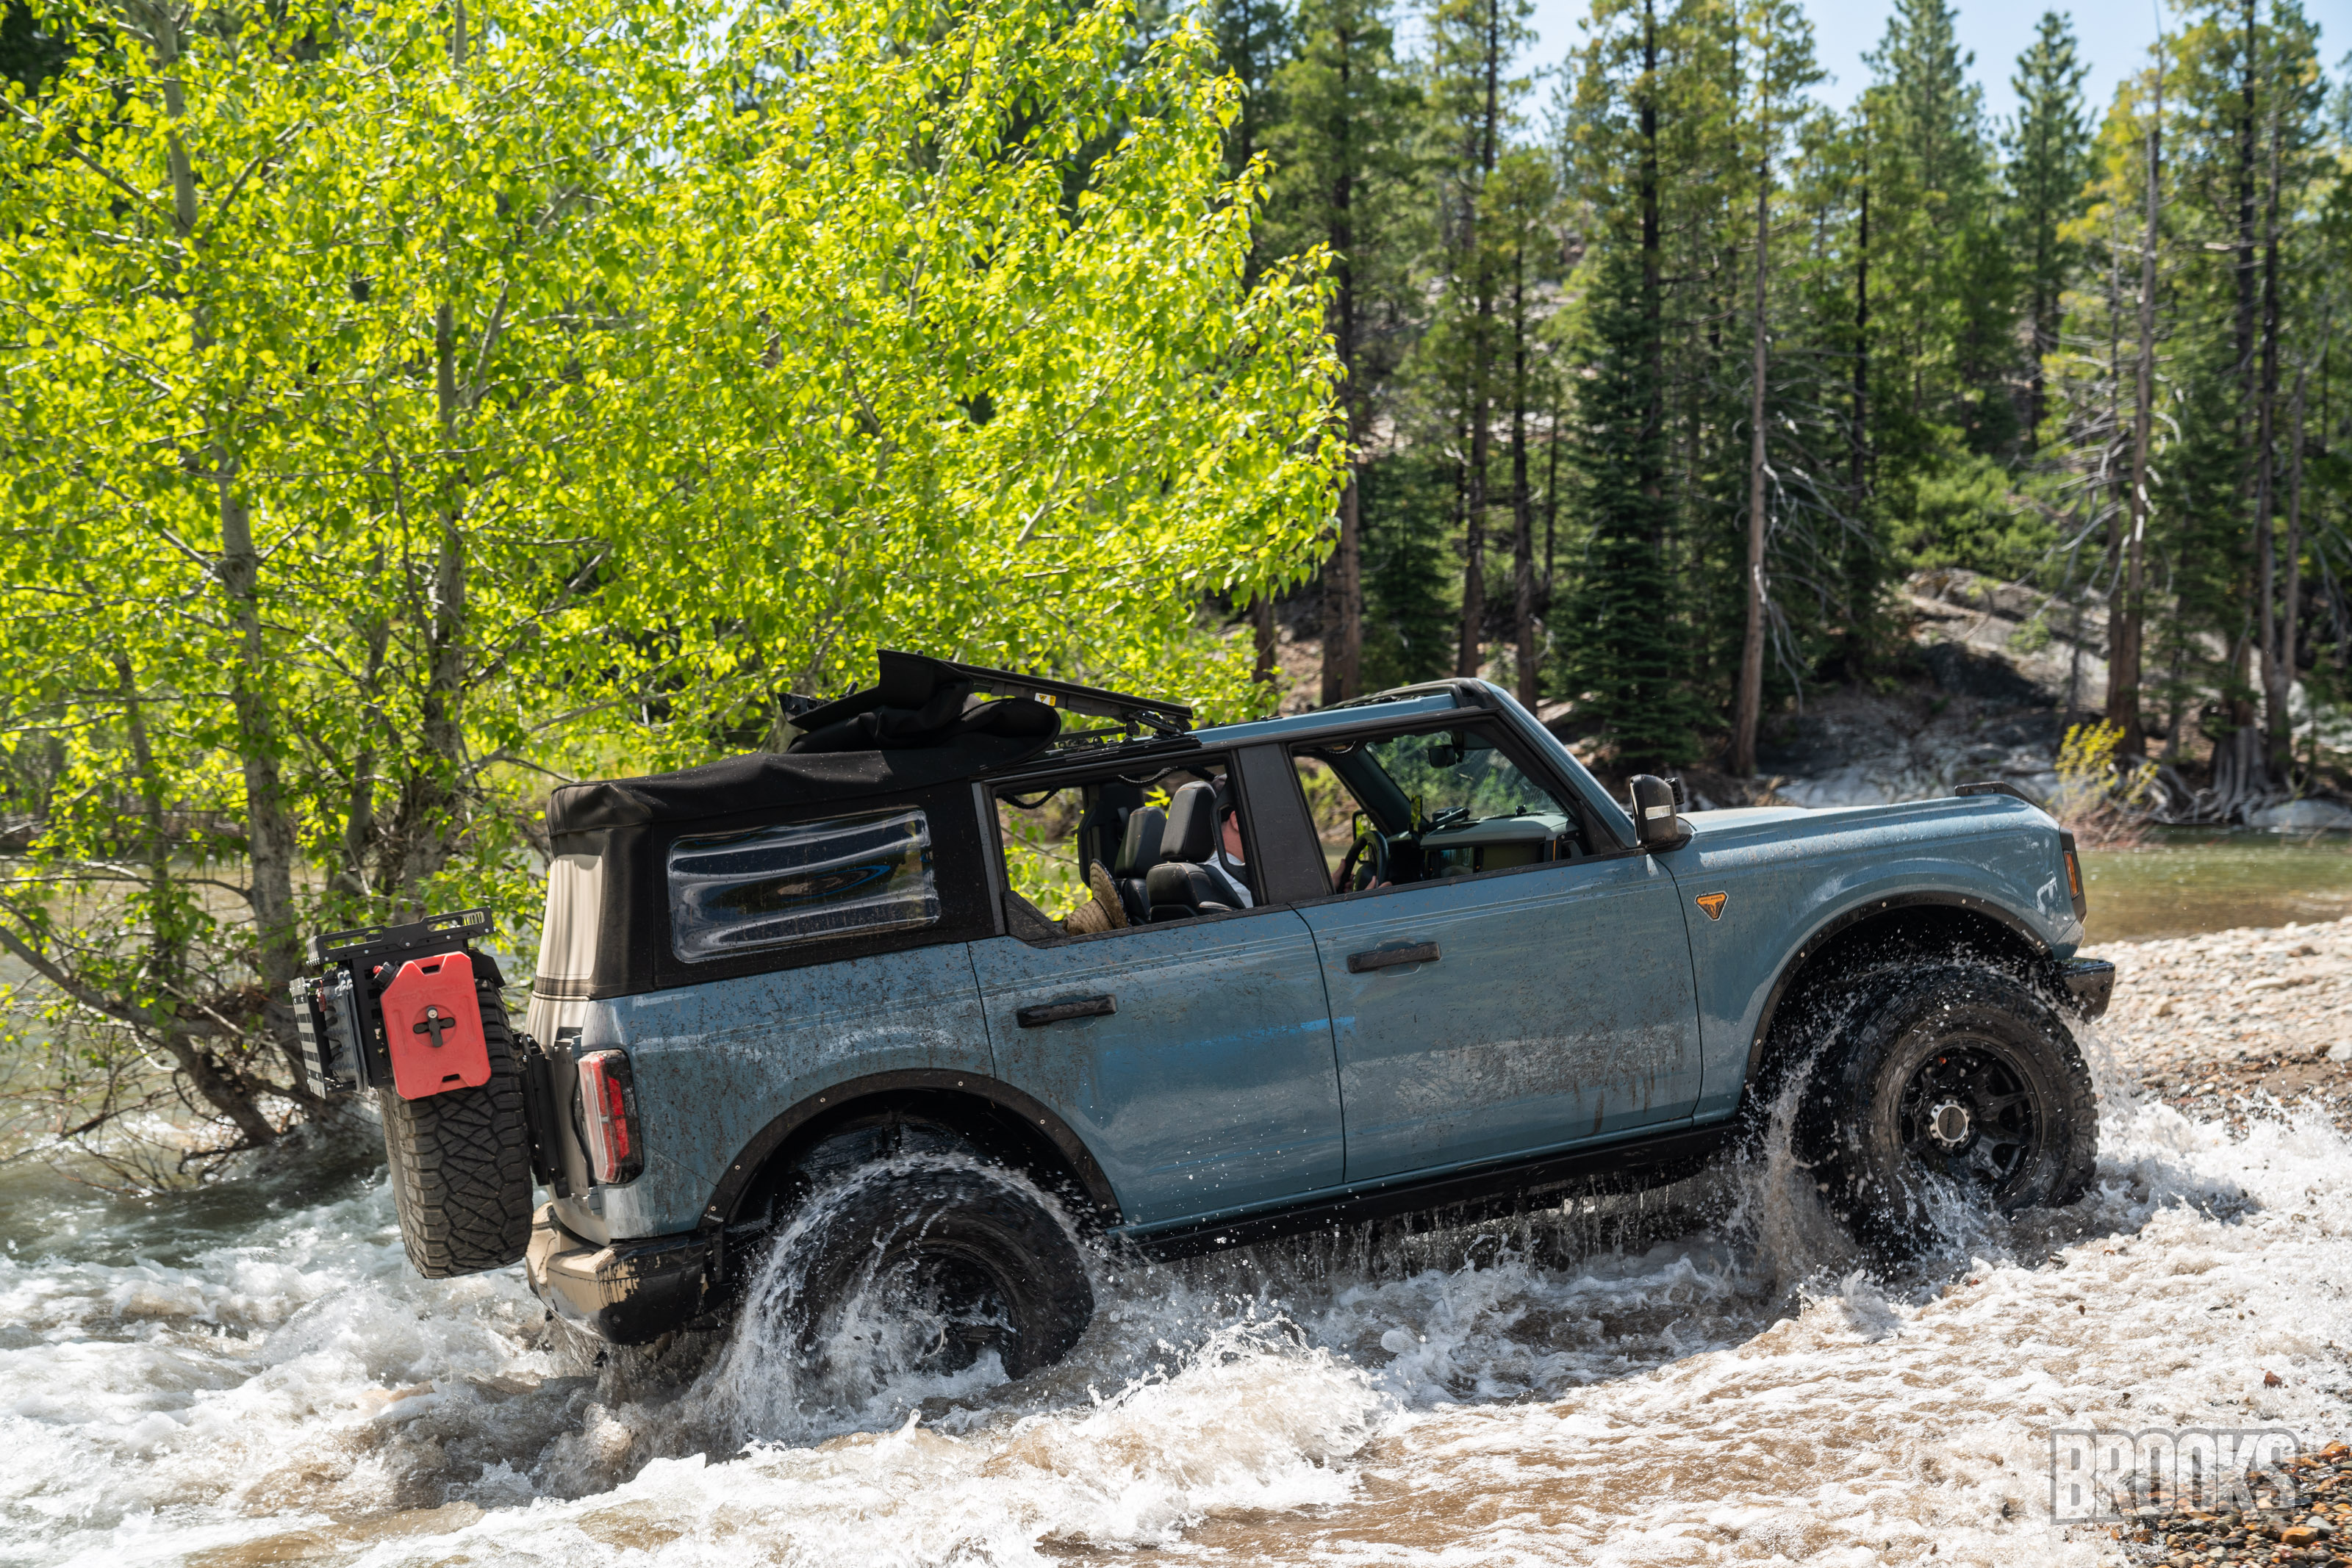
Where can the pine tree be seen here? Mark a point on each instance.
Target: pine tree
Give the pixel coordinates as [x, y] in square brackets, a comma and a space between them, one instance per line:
[1626, 653]
[2049, 162]
[1943, 309]
[1474, 99]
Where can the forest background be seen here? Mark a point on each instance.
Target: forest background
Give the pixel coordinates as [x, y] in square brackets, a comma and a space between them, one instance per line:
[404, 409]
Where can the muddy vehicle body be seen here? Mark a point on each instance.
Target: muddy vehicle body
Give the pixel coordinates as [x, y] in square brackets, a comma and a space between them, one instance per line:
[1396, 957]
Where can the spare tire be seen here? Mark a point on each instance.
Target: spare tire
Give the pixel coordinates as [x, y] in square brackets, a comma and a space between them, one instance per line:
[461, 1163]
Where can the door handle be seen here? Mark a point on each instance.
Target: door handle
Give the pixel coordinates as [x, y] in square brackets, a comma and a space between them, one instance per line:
[1054, 1012]
[1392, 957]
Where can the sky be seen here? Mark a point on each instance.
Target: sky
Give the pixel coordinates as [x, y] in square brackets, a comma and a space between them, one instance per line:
[2114, 36]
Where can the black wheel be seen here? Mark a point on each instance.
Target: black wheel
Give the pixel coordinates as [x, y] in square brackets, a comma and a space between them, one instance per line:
[926, 1264]
[1955, 1077]
[461, 1163]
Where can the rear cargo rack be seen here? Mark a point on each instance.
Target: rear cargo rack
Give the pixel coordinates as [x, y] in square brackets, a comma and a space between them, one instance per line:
[380, 942]
[337, 1011]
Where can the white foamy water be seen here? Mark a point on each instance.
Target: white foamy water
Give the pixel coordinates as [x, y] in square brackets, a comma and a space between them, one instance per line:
[1706, 1375]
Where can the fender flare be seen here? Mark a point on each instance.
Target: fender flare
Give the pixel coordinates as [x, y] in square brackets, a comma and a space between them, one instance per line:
[1854, 915]
[1033, 1112]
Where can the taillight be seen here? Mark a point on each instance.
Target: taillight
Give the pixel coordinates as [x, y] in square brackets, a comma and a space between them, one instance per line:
[2073, 875]
[608, 1117]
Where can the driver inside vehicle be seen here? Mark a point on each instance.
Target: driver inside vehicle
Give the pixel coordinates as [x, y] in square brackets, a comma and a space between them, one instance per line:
[1421, 807]
[1229, 864]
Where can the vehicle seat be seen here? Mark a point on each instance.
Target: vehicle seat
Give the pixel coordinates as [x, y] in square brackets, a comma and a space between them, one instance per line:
[1177, 888]
[1139, 852]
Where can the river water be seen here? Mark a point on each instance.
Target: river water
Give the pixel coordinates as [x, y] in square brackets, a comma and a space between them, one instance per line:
[252, 1375]
[2184, 881]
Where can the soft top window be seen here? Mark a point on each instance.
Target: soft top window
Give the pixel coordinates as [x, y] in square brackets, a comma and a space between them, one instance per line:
[803, 881]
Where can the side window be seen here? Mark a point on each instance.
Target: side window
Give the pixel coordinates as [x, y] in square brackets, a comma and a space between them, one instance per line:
[803, 881]
[1127, 850]
[1389, 810]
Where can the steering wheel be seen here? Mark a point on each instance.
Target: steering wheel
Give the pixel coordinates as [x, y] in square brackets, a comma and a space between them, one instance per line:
[1367, 864]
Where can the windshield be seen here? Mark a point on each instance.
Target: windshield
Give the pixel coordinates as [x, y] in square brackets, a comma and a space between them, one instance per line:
[1426, 795]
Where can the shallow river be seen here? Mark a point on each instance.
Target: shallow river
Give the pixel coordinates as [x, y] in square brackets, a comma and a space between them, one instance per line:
[2184, 881]
[254, 1376]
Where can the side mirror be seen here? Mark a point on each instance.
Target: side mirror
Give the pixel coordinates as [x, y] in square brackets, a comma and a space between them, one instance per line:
[1655, 826]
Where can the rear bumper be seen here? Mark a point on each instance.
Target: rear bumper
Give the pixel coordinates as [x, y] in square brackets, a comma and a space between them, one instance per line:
[628, 1292]
[2090, 983]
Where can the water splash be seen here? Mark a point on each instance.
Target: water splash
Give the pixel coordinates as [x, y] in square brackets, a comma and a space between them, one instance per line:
[1708, 1372]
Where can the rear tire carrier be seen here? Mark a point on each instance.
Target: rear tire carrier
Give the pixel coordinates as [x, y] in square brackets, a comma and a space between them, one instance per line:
[461, 1162]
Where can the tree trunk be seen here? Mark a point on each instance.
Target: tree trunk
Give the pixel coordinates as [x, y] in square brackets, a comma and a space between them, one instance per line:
[1343, 575]
[351, 879]
[1266, 668]
[2277, 673]
[1749, 709]
[2119, 474]
[1860, 578]
[2242, 251]
[1653, 261]
[1552, 415]
[1523, 522]
[1343, 601]
[270, 842]
[2289, 620]
[1470, 658]
[430, 814]
[2123, 624]
[271, 839]
[167, 956]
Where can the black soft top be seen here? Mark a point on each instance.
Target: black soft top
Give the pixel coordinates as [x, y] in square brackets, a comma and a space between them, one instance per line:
[927, 721]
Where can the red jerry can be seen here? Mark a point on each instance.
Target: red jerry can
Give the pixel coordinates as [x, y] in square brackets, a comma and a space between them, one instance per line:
[432, 1024]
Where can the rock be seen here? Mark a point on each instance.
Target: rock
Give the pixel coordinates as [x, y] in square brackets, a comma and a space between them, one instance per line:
[2300, 1535]
[2340, 1052]
[2273, 1380]
[2301, 817]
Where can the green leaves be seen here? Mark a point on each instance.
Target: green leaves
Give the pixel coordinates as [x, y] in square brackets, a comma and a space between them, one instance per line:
[422, 423]
[983, 206]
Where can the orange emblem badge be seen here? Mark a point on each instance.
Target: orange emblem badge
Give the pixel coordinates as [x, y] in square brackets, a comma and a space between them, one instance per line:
[1713, 903]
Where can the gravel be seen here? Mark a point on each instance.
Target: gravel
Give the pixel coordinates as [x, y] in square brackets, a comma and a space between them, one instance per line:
[2233, 1023]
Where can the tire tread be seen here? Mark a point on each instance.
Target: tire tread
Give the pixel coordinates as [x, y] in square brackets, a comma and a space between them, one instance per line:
[460, 1163]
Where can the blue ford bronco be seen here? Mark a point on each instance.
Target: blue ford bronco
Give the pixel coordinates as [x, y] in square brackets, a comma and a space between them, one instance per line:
[999, 968]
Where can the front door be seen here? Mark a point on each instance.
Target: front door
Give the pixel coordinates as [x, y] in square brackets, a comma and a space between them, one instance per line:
[1495, 990]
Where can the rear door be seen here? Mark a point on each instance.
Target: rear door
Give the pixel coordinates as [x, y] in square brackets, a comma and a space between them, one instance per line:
[1493, 1002]
[1194, 1057]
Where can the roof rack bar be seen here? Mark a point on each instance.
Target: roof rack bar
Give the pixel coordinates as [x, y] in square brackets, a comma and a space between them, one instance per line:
[1147, 713]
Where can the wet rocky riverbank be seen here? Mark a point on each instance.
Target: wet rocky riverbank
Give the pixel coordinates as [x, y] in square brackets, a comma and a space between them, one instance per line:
[2231, 1028]
[2233, 1023]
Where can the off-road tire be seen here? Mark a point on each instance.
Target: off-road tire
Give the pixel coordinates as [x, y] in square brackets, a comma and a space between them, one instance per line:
[946, 1212]
[461, 1163]
[1903, 1042]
